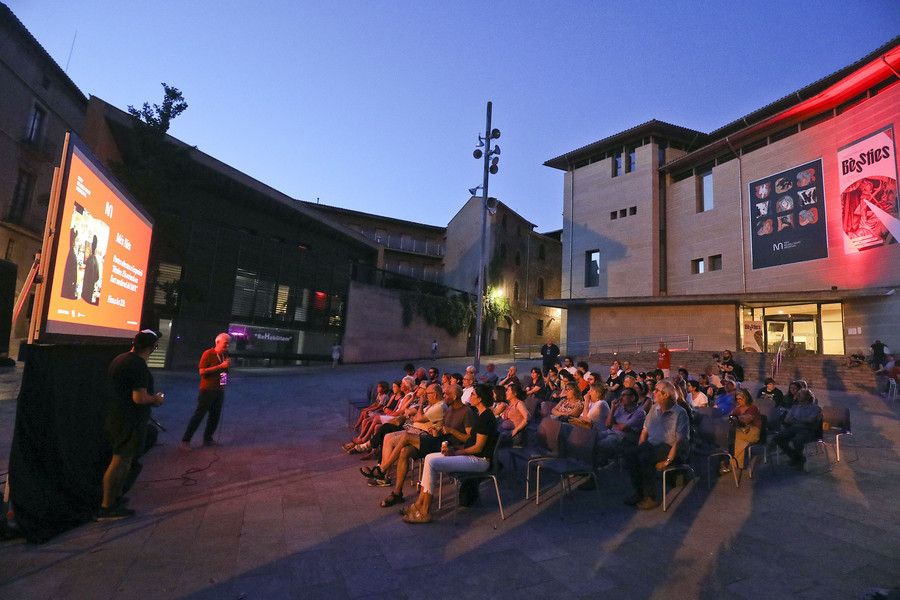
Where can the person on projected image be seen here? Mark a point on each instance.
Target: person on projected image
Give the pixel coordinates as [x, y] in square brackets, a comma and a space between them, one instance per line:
[126, 422]
[91, 283]
[70, 274]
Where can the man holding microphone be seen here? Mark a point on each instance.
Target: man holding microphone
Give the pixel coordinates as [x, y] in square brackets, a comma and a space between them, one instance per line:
[213, 377]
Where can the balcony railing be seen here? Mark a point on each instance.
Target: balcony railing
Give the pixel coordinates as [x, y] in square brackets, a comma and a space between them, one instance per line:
[587, 348]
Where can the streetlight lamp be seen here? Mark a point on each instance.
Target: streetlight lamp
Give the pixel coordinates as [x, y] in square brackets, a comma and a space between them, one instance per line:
[491, 159]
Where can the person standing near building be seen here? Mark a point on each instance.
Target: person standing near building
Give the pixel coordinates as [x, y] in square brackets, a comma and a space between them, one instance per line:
[336, 352]
[663, 359]
[550, 354]
[433, 349]
[126, 422]
[213, 377]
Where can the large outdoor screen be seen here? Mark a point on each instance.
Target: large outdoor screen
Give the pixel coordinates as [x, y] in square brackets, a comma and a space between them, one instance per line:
[98, 268]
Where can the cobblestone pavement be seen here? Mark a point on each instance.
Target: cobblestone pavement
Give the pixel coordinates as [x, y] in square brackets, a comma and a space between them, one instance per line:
[277, 510]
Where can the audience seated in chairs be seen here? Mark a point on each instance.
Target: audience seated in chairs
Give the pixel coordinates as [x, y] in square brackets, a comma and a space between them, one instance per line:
[801, 424]
[455, 430]
[474, 457]
[513, 420]
[570, 406]
[406, 406]
[746, 421]
[665, 439]
[624, 424]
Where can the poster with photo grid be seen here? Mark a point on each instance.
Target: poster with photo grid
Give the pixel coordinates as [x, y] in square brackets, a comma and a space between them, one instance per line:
[787, 216]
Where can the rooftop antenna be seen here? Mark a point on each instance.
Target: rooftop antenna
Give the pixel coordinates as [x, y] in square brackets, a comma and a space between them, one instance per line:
[74, 37]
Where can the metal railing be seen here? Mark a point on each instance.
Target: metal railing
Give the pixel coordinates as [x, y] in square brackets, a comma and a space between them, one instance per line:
[587, 348]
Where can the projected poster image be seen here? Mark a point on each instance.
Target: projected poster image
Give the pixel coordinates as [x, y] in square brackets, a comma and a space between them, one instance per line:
[88, 243]
[868, 183]
[788, 217]
[100, 258]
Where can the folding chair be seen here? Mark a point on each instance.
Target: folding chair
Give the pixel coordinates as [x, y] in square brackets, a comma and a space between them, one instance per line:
[458, 477]
[837, 420]
[577, 458]
[546, 446]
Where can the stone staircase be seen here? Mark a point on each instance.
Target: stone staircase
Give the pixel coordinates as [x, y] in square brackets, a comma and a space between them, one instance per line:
[823, 372]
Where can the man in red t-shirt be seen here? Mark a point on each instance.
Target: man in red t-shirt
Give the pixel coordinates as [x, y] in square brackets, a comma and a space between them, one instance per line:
[213, 376]
[664, 359]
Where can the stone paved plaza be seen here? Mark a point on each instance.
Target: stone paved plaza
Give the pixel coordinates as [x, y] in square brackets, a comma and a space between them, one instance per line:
[279, 511]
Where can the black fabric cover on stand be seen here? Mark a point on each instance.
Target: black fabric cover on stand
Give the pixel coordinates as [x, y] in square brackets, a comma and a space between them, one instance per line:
[60, 450]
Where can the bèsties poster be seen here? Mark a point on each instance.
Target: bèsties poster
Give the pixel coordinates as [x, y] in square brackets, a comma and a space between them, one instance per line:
[868, 183]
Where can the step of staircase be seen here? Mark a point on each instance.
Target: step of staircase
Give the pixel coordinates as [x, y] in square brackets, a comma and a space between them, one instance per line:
[824, 372]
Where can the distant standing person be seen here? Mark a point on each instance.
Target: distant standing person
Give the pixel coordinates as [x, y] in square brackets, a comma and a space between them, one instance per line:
[126, 421]
[433, 349]
[550, 354]
[663, 359]
[213, 377]
[336, 351]
[879, 354]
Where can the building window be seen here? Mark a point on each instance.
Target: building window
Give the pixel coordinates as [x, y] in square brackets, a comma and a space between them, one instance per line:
[542, 252]
[502, 251]
[10, 247]
[617, 165]
[518, 258]
[632, 211]
[516, 291]
[661, 156]
[715, 262]
[592, 268]
[21, 196]
[698, 266]
[631, 163]
[705, 191]
[539, 330]
[540, 288]
[36, 124]
[613, 215]
[623, 213]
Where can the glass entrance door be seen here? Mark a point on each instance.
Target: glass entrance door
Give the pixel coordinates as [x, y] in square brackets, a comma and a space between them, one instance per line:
[797, 332]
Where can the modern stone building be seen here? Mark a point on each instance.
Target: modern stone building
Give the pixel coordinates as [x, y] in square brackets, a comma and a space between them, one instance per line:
[38, 103]
[781, 227]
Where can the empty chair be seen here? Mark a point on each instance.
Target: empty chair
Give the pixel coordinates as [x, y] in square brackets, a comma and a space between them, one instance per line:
[711, 441]
[577, 458]
[836, 421]
[546, 446]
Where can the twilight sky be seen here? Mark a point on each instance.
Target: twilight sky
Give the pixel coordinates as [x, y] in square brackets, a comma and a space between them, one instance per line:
[376, 105]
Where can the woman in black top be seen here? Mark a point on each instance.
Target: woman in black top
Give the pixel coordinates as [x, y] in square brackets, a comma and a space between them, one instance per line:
[474, 457]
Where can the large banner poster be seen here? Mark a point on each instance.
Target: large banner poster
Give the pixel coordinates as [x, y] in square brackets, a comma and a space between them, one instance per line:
[868, 182]
[787, 212]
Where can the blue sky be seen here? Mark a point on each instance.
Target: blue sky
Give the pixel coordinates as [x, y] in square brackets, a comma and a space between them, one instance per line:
[376, 106]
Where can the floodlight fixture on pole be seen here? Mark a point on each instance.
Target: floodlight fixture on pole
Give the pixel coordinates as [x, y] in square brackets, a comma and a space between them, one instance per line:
[490, 167]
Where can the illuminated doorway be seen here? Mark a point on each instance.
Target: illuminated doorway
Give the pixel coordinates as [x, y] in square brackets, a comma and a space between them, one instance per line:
[798, 328]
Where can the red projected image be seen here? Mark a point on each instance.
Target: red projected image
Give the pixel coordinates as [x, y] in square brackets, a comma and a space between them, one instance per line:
[100, 259]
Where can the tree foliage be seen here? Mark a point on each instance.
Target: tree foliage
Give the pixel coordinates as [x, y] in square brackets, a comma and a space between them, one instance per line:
[158, 118]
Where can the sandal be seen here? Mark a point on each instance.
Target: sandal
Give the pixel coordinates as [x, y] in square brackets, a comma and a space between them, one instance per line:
[391, 500]
[408, 509]
[371, 472]
[417, 517]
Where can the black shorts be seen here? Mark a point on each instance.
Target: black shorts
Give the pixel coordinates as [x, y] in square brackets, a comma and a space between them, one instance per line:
[429, 444]
[125, 436]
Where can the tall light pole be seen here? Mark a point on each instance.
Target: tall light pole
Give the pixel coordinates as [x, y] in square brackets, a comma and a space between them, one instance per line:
[490, 167]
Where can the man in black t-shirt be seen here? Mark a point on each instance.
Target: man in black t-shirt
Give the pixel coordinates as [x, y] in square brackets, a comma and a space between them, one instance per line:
[126, 423]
